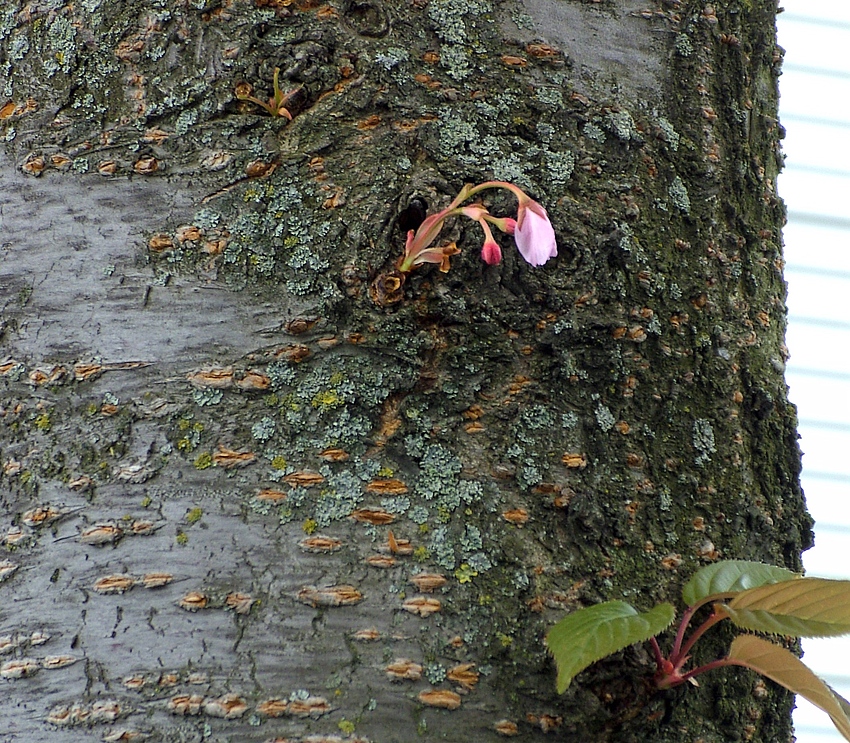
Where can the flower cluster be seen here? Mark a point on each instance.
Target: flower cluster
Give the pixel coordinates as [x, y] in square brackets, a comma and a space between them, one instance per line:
[532, 231]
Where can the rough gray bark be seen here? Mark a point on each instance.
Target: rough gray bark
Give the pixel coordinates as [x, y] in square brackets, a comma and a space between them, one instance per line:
[198, 383]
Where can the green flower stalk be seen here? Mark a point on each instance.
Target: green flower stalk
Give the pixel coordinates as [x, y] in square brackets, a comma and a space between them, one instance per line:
[276, 105]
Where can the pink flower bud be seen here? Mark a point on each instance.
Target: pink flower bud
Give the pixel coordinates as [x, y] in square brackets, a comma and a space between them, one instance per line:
[510, 225]
[491, 253]
[534, 235]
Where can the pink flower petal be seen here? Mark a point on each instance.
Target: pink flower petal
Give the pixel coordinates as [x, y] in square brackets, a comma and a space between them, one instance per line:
[534, 234]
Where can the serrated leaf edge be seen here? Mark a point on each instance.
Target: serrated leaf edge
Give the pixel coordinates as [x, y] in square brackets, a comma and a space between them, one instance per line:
[563, 679]
[779, 575]
[760, 608]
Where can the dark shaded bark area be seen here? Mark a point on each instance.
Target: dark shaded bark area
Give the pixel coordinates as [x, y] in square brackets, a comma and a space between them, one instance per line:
[224, 467]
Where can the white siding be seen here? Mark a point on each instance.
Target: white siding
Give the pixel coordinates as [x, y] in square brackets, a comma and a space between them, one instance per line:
[815, 110]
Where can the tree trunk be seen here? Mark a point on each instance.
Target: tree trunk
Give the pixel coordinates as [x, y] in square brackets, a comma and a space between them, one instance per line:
[220, 423]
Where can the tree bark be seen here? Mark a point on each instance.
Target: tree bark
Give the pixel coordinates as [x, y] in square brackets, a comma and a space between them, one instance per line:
[217, 431]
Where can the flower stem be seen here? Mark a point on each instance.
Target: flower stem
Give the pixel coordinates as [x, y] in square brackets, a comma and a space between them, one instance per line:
[521, 196]
[682, 654]
[656, 651]
[722, 663]
[680, 634]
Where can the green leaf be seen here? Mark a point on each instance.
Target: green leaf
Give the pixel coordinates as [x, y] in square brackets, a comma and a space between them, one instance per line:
[731, 576]
[787, 670]
[586, 635]
[807, 607]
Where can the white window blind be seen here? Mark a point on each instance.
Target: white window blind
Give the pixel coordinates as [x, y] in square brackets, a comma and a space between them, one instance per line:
[815, 110]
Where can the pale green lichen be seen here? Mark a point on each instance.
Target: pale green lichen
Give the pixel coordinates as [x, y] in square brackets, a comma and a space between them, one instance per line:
[591, 131]
[297, 497]
[398, 504]
[332, 505]
[456, 62]
[435, 673]
[207, 218]
[674, 290]
[185, 120]
[569, 419]
[683, 46]
[441, 548]
[471, 540]
[456, 134]
[522, 19]
[346, 483]
[654, 325]
[18, 47]
[460, 492]
[511, 168]
[263, 429]
[671, 136]
[479, 562]
[605, 418]
[437, 471]
[299, 286]
[8, 20]
[281, 374]
[346, 429]
[626, 242]
[418, 514]
[703, 440]
[61, 36]
[545, 131]
[559, 167]
[391, 58]
[550, 97]
[207, 397]
[529, 474]
[305, 258]
[622, 125]
[679, 195]
[415, 445]
[367, 469]
[263, 508]
[447, 17]
[532, 421]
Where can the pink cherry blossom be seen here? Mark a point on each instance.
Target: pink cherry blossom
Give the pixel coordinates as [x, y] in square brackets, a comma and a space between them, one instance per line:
[534, 234]
[532, 231]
